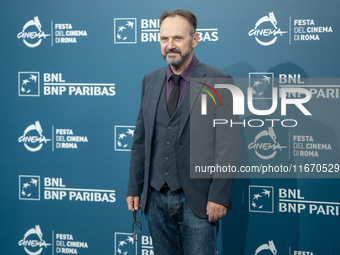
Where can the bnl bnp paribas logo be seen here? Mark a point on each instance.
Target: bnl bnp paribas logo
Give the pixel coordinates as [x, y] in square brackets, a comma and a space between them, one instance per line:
[125, 244]
[123, 137]
[55, 85]
[32, 33]
[266, 30]
[125, 31]
[292, 201]
[261, 84]
[29, 187]
[29, 84]
[261, 199]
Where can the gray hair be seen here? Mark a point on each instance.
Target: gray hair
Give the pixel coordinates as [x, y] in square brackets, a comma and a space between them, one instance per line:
[188, 15]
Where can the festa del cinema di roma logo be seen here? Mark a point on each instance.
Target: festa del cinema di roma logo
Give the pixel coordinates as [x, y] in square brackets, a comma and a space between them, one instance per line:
[267, 247]
[33, 242]
[30, 140]
[266, 146]
[261, 30]
[32, 34]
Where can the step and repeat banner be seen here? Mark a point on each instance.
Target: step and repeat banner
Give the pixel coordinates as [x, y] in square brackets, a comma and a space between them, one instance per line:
[71, 74]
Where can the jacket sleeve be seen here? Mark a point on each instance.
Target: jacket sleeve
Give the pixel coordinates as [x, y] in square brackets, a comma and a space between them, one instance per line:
[226, 148]
[137, 160]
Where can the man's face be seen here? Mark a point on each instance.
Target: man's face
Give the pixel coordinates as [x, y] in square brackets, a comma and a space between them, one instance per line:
[176, 41]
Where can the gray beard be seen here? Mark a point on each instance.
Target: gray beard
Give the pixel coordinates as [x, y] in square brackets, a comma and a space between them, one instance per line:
[180, 61]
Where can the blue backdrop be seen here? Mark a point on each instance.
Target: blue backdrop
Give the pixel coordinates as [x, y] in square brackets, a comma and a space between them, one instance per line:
[71, 74]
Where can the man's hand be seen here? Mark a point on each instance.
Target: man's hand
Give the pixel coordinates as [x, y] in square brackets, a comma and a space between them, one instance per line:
[133, 203]
[215, 211]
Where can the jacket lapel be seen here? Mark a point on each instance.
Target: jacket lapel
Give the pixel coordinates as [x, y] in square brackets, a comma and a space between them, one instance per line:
[156, 88]
[199, 72]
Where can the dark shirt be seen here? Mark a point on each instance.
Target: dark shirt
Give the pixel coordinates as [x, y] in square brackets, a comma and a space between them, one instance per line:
[184, 83]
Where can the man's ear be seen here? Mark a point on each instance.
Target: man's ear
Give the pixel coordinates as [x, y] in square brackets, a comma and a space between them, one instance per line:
[195, 40]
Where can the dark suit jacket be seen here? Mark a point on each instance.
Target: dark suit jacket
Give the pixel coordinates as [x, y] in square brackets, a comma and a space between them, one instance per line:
[199, 142]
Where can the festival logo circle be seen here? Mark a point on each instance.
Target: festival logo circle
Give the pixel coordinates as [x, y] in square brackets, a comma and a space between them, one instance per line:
[32, 34]
[33, 242]
[265, 142]
[266, 27]
[32, 135]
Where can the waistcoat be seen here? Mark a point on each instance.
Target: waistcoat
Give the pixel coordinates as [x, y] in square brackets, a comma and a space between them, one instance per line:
[164, 157]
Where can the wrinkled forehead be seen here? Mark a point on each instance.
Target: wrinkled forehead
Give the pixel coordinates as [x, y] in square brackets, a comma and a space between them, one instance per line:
[174, 26]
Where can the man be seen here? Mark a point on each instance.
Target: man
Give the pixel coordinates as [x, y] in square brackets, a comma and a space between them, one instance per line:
[182, 212]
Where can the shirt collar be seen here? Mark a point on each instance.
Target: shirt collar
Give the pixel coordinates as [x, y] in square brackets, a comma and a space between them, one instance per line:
[186, 74]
